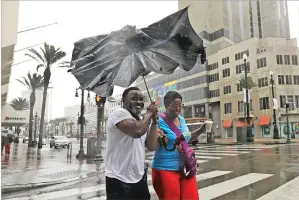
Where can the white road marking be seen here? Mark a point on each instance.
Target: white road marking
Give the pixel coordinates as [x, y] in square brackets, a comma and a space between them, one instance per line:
[225, 187]
[288, 191]
[217, 154]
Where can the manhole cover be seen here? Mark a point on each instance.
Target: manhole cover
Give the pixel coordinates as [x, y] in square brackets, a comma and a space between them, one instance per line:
[61, 174]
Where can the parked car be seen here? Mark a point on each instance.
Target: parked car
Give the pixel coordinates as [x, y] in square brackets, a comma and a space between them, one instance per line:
[59, 141]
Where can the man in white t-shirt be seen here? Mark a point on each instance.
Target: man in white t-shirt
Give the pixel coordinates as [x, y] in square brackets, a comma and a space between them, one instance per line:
[127, 137]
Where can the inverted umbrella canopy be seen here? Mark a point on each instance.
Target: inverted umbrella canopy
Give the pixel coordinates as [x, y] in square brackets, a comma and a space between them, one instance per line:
[100, 62]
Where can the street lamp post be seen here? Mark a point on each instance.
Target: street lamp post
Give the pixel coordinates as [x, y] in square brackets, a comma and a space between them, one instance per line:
[81, 153]
[248, 128]
[288, 128]
[78, 120]
[275, 130]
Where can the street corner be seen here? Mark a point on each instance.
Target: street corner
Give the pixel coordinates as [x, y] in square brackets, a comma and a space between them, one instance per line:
[40, 178]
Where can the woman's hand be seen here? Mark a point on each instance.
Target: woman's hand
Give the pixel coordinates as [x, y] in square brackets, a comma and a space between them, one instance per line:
[163, 138]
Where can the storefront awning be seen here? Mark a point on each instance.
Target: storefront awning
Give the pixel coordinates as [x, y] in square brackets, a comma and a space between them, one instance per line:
[12, 117]
[227, 123]
[264, 121]
[243, 122]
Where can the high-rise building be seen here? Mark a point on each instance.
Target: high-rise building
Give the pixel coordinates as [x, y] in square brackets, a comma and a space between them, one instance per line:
[238, 20]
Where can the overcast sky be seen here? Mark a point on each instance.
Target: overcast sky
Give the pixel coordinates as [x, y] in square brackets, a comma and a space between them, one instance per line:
[79, 19]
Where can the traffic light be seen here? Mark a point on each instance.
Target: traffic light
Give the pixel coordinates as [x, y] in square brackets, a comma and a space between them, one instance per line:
[98, 99]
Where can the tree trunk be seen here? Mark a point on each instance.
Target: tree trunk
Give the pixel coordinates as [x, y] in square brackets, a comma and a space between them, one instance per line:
[47, 76]
[32, 102]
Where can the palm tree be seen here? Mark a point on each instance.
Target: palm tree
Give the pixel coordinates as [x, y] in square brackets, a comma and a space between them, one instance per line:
[19, 103]
[32, 82]
[49, 55]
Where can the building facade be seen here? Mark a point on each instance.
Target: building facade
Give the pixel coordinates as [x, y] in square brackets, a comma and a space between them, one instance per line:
[238, 20]
[214, 91]
[9, 23]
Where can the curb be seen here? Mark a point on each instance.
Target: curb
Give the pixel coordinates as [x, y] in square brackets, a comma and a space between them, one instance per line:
[17, 188]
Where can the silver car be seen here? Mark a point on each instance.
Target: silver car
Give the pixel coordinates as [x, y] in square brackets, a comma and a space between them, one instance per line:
[59, 141]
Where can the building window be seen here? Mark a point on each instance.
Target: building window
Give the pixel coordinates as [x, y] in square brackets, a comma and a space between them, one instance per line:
[281, 79]
[282, 99]
[296, 79]
[294, 60]
[240, 106]
[258, 51]
[262, 62]
[214, 93]
[227, 108]
[263, 82]
[297, 101]
[290, 100]
[226, 72]
[239, 56]
[279, 59]
[264, 103]
[287, 60]
[239, 68]
[213, 66]
[213, 77]
[288, 80]
[227, 89]
[239, 87]
[225, 60]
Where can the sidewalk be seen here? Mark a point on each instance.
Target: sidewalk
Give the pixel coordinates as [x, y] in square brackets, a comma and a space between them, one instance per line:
[265, 141]
[31, 168]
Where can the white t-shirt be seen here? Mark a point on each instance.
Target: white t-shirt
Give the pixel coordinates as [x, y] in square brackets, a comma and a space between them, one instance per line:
[125, 155]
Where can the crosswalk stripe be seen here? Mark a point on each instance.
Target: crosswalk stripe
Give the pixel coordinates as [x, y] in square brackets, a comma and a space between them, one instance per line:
[237, 148]
[209, 157]
[217, 154]
[225, 187]
[288, 191]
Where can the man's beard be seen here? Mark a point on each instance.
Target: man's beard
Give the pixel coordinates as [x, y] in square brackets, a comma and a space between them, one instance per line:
[134, 111]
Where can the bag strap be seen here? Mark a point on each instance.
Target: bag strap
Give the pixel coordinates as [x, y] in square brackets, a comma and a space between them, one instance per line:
[175, 129]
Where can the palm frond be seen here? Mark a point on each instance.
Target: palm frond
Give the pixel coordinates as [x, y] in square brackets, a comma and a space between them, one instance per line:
[31, 56]
[39, 66]
[34, 52]
[19, 103]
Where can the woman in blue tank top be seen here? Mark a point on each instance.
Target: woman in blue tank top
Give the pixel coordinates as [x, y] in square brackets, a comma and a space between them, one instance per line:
[166, 175]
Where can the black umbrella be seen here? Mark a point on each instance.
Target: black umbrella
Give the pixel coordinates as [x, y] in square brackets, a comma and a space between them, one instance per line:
[100, 62]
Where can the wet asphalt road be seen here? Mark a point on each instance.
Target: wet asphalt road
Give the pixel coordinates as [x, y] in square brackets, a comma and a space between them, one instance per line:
[226, 173]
